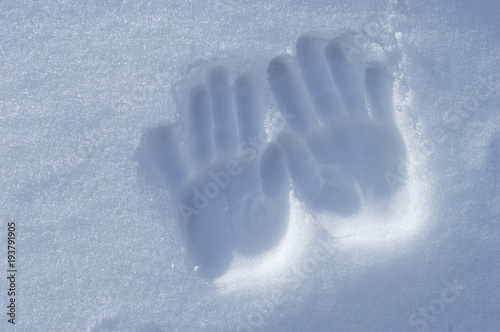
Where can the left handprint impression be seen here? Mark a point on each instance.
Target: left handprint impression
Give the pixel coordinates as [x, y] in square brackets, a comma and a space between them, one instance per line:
[231, 186]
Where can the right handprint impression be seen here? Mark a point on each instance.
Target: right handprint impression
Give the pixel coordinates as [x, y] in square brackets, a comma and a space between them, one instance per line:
[342, 139]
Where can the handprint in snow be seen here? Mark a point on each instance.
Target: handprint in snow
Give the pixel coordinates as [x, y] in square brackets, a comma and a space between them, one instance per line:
[231, 187]
[342, 139]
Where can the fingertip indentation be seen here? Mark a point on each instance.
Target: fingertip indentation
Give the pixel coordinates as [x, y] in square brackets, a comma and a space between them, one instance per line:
[273, 170]
[379, 90]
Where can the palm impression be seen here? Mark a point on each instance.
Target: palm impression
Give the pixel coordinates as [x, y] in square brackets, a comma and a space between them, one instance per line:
[231, 186]
[342, 140]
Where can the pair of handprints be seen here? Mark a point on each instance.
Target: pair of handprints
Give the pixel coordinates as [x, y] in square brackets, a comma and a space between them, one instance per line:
[232, 184]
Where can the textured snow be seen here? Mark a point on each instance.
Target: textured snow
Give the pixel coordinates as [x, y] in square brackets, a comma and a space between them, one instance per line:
[100, 246]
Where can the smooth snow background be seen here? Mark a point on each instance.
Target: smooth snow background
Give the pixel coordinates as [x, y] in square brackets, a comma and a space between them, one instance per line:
[98, 246]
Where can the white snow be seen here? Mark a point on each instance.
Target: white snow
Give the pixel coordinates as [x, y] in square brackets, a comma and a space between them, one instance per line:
[99, 246]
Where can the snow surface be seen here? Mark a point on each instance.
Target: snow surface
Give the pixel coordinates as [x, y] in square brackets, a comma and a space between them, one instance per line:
[100, 247]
